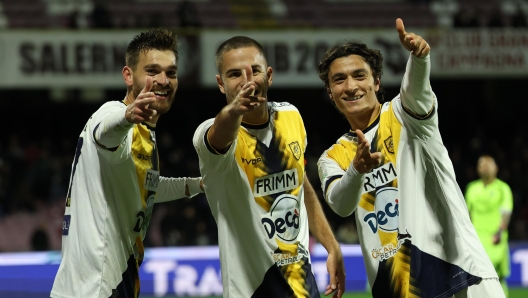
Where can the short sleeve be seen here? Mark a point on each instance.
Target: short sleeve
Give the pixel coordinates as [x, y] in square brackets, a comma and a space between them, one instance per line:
[329, 171]
[211, 159]
[507, 202]
[123, 151]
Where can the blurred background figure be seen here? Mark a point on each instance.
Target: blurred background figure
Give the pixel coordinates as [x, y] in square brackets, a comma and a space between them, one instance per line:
[3, 20]
[100, 17]
[466, 18]
[445, 10]
[490, 203]
[40, 239]
[188, 15]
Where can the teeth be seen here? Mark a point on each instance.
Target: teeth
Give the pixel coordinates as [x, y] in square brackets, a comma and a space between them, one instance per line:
[160, 93]
[354, 98]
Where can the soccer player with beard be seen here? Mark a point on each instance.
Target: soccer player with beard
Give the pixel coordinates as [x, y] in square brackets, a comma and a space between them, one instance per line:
[393, 172]
[115, 178]
[253, 165]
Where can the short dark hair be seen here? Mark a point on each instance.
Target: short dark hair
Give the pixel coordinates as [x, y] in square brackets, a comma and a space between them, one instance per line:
[237, 42]
[154, 39]
[373, 58]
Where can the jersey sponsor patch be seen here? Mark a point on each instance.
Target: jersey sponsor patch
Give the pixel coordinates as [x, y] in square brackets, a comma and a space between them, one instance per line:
[288, 258]
[276, 183]
[389, 144]
[385, 215]
[321, 170]
[296, 149]
[379, 177]
[283, 219]
[151, 180]
[66, 225]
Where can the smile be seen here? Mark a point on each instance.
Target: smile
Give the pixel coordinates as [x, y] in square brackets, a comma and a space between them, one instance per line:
[354, 98]
[161, 93]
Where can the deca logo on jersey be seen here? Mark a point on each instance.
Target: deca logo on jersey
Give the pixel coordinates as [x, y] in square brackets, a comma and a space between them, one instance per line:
[282, 220]
[385, 215]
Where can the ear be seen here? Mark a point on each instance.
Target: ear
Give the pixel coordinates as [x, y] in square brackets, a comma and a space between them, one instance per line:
[220, 84]
[377, 84]
[128, 76]
[329, 91]
[269, 72]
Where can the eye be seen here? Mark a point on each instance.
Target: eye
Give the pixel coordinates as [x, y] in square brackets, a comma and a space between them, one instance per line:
[171, 74]
[256, 70]
[338, 80]
[152, 72]
[361, 76]
[234, 74]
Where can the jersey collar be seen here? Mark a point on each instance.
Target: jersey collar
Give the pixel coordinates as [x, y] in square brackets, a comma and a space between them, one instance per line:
[373, 124]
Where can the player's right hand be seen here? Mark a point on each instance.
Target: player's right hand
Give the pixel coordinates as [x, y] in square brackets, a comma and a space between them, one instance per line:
[245, 101]
[412, 42]
[138, 111]
[364, 161]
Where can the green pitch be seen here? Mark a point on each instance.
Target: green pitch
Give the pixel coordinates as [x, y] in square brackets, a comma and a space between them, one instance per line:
[514, 293]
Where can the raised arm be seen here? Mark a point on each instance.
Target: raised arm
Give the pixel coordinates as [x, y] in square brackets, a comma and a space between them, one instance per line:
[112, 130]
[416, 94]
[225, 128]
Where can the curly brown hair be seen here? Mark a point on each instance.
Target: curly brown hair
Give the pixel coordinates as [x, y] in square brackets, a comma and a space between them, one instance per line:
[373, 58]
[160, 39]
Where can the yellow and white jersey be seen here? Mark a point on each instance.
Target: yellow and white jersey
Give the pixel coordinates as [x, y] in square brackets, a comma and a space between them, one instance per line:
[415, 233]
[108, 209]
[255, 191]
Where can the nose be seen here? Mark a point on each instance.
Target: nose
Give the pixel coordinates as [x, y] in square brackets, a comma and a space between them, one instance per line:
[161, 79]
[350, 85]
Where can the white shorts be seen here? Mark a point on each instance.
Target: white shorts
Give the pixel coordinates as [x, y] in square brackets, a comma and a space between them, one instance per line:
[487, 288]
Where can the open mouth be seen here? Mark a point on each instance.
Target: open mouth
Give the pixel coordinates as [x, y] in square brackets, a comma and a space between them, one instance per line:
[161, 94]
[357, 97]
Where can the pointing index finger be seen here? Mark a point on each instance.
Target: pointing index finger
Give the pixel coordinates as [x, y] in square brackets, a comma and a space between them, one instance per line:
[360, 136]
[249, 73]
[249, 76]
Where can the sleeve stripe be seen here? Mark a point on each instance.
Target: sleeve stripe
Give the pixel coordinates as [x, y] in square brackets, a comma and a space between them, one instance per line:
[211, 148]
[329, 181]
[101, 145]
[418, 117]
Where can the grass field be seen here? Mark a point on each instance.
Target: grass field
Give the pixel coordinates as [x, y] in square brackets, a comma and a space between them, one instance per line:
[514, 293]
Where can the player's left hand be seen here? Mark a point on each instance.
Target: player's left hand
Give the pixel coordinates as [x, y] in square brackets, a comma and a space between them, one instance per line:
[412, 42]
[336, 269]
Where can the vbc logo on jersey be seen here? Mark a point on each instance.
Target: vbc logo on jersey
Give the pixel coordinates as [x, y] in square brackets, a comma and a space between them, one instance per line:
[283, 218]
[385, 215]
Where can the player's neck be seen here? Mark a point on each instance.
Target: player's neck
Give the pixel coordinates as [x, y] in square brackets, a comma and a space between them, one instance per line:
[488, 181]
[129, 98]
[257, 117]
[363, 120]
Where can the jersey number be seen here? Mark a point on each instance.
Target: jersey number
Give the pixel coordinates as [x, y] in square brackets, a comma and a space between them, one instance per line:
[139, 223]
[75, 161]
